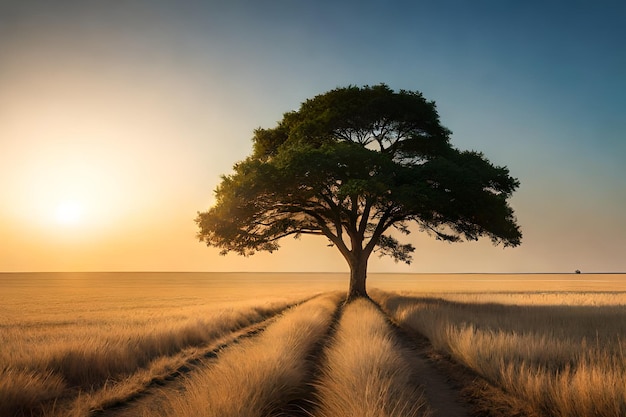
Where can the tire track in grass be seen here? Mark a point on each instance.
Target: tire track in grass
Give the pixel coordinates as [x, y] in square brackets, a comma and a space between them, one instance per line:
[476, 395]
[306, 404]
[259, 377]
[445, 400]
[164, 373]
[173, 378]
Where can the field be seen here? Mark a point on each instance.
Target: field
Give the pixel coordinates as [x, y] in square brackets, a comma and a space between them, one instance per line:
[194, 344]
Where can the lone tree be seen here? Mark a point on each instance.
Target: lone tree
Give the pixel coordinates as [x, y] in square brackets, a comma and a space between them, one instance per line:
[354, 165]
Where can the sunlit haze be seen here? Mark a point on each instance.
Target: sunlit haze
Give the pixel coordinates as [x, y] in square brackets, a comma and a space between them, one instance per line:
[69, 212]
[118, 118]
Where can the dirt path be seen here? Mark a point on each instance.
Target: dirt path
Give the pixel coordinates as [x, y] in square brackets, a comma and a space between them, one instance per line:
[443, 398]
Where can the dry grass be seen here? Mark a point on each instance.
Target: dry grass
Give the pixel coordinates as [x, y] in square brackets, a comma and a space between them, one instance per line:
[564, 360]
[366, 372]
[260, 375]
[22, 391]
[61, 340]
[74, 343]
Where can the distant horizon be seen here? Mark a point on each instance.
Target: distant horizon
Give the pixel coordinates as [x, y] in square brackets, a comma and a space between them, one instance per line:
[320, 272]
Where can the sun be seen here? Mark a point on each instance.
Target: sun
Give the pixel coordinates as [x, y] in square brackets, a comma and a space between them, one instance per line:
[69, 213]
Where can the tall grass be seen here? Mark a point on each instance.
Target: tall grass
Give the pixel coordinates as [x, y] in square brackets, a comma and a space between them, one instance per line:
[563, 360]
[22, 391]
[366, 372]
[260, 375]
[50, 356]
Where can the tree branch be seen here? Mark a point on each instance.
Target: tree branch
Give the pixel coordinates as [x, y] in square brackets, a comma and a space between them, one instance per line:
[378, 231]
[365, 217]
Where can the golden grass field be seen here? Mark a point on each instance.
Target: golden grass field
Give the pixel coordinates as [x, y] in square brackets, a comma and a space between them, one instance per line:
[199, 344]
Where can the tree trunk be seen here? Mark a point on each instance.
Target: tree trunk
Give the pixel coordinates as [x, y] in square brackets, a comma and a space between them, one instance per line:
[358, 275]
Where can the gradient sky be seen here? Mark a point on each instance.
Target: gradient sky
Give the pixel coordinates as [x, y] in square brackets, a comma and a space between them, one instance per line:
[117, 119]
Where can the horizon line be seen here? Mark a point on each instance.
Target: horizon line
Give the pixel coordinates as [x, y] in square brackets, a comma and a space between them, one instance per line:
[310, 272]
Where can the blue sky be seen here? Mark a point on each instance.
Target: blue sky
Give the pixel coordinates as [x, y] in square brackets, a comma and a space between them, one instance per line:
[134, 108]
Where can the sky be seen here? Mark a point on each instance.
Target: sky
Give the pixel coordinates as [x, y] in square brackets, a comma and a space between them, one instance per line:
[118, 118]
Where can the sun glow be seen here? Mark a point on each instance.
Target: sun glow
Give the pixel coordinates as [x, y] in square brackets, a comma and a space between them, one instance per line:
[69, 213]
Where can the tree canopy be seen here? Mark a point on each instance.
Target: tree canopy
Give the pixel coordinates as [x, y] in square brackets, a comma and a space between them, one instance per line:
[358, 165]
